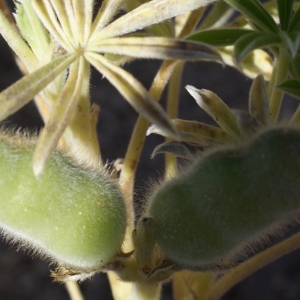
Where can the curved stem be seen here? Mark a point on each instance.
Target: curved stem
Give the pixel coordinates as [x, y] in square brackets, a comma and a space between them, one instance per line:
[276, 95]
[124, 290]
[145, 291]
[172, 111]
[139, 133]
[253, 264]
[73, 290]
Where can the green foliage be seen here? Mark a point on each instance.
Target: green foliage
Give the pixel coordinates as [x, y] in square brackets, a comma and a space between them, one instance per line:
[256, 13]
[245, 182]
[291, 87]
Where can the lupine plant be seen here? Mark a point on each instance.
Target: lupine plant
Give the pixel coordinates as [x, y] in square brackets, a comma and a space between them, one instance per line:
[240, 179]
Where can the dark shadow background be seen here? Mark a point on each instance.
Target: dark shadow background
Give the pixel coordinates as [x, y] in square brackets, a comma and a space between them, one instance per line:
[24, 278]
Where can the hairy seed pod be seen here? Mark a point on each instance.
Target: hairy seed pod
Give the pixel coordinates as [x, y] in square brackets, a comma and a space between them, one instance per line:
[228, 197]
[70, 215]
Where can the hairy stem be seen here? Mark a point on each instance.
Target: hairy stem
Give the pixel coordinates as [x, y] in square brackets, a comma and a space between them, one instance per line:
[172, 111]
[139, 133]
[140, 291]
[253, 264]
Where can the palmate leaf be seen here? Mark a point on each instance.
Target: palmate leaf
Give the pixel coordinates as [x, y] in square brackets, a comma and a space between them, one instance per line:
[285, 8]
[291, 87]
[256, 13]
[219, 37]
[47, 14]
[253, 40]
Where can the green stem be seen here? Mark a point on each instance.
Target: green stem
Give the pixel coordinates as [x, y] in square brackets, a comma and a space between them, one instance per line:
[145, 291]
[139, 133]
[138, 290]
[276, 95]
[250, 266]
[73, 290]
[172, 111]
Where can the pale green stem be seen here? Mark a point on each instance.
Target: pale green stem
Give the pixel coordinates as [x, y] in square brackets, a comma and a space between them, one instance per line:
[217, 16]
[73, 290]
[276, 95]
[172, 111]
[145, 291]
[139, 133]
[253, 264]
[272, 80]
[139, 291]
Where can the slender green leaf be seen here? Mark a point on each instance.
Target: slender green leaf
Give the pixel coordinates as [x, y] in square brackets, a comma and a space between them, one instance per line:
[195, 132]
[60, 117]
[49, 18]
[219, 37]
[256, 13]
[178, 149]
[259, 100]
[251, 41]
[285, 8]
[291, 42]
[294, 66]
[133, 91]
[106, 13]
[16, 43]
[65, 13]
[21, 92]
[255, 63]
[157, 47]
[217, 16]
[152, 12]
[31, 28]
[295, 23]
[216, 108]
[247, 124]
[291, 87]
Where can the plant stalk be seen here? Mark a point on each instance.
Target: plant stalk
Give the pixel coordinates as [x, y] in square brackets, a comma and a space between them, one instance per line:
[139, 133]
[73, 290]
[172, 111]
[250, 266]
[137, 290]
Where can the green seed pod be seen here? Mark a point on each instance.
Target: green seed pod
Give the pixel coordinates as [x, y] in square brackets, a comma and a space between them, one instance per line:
[230, 196]
[73, 216]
